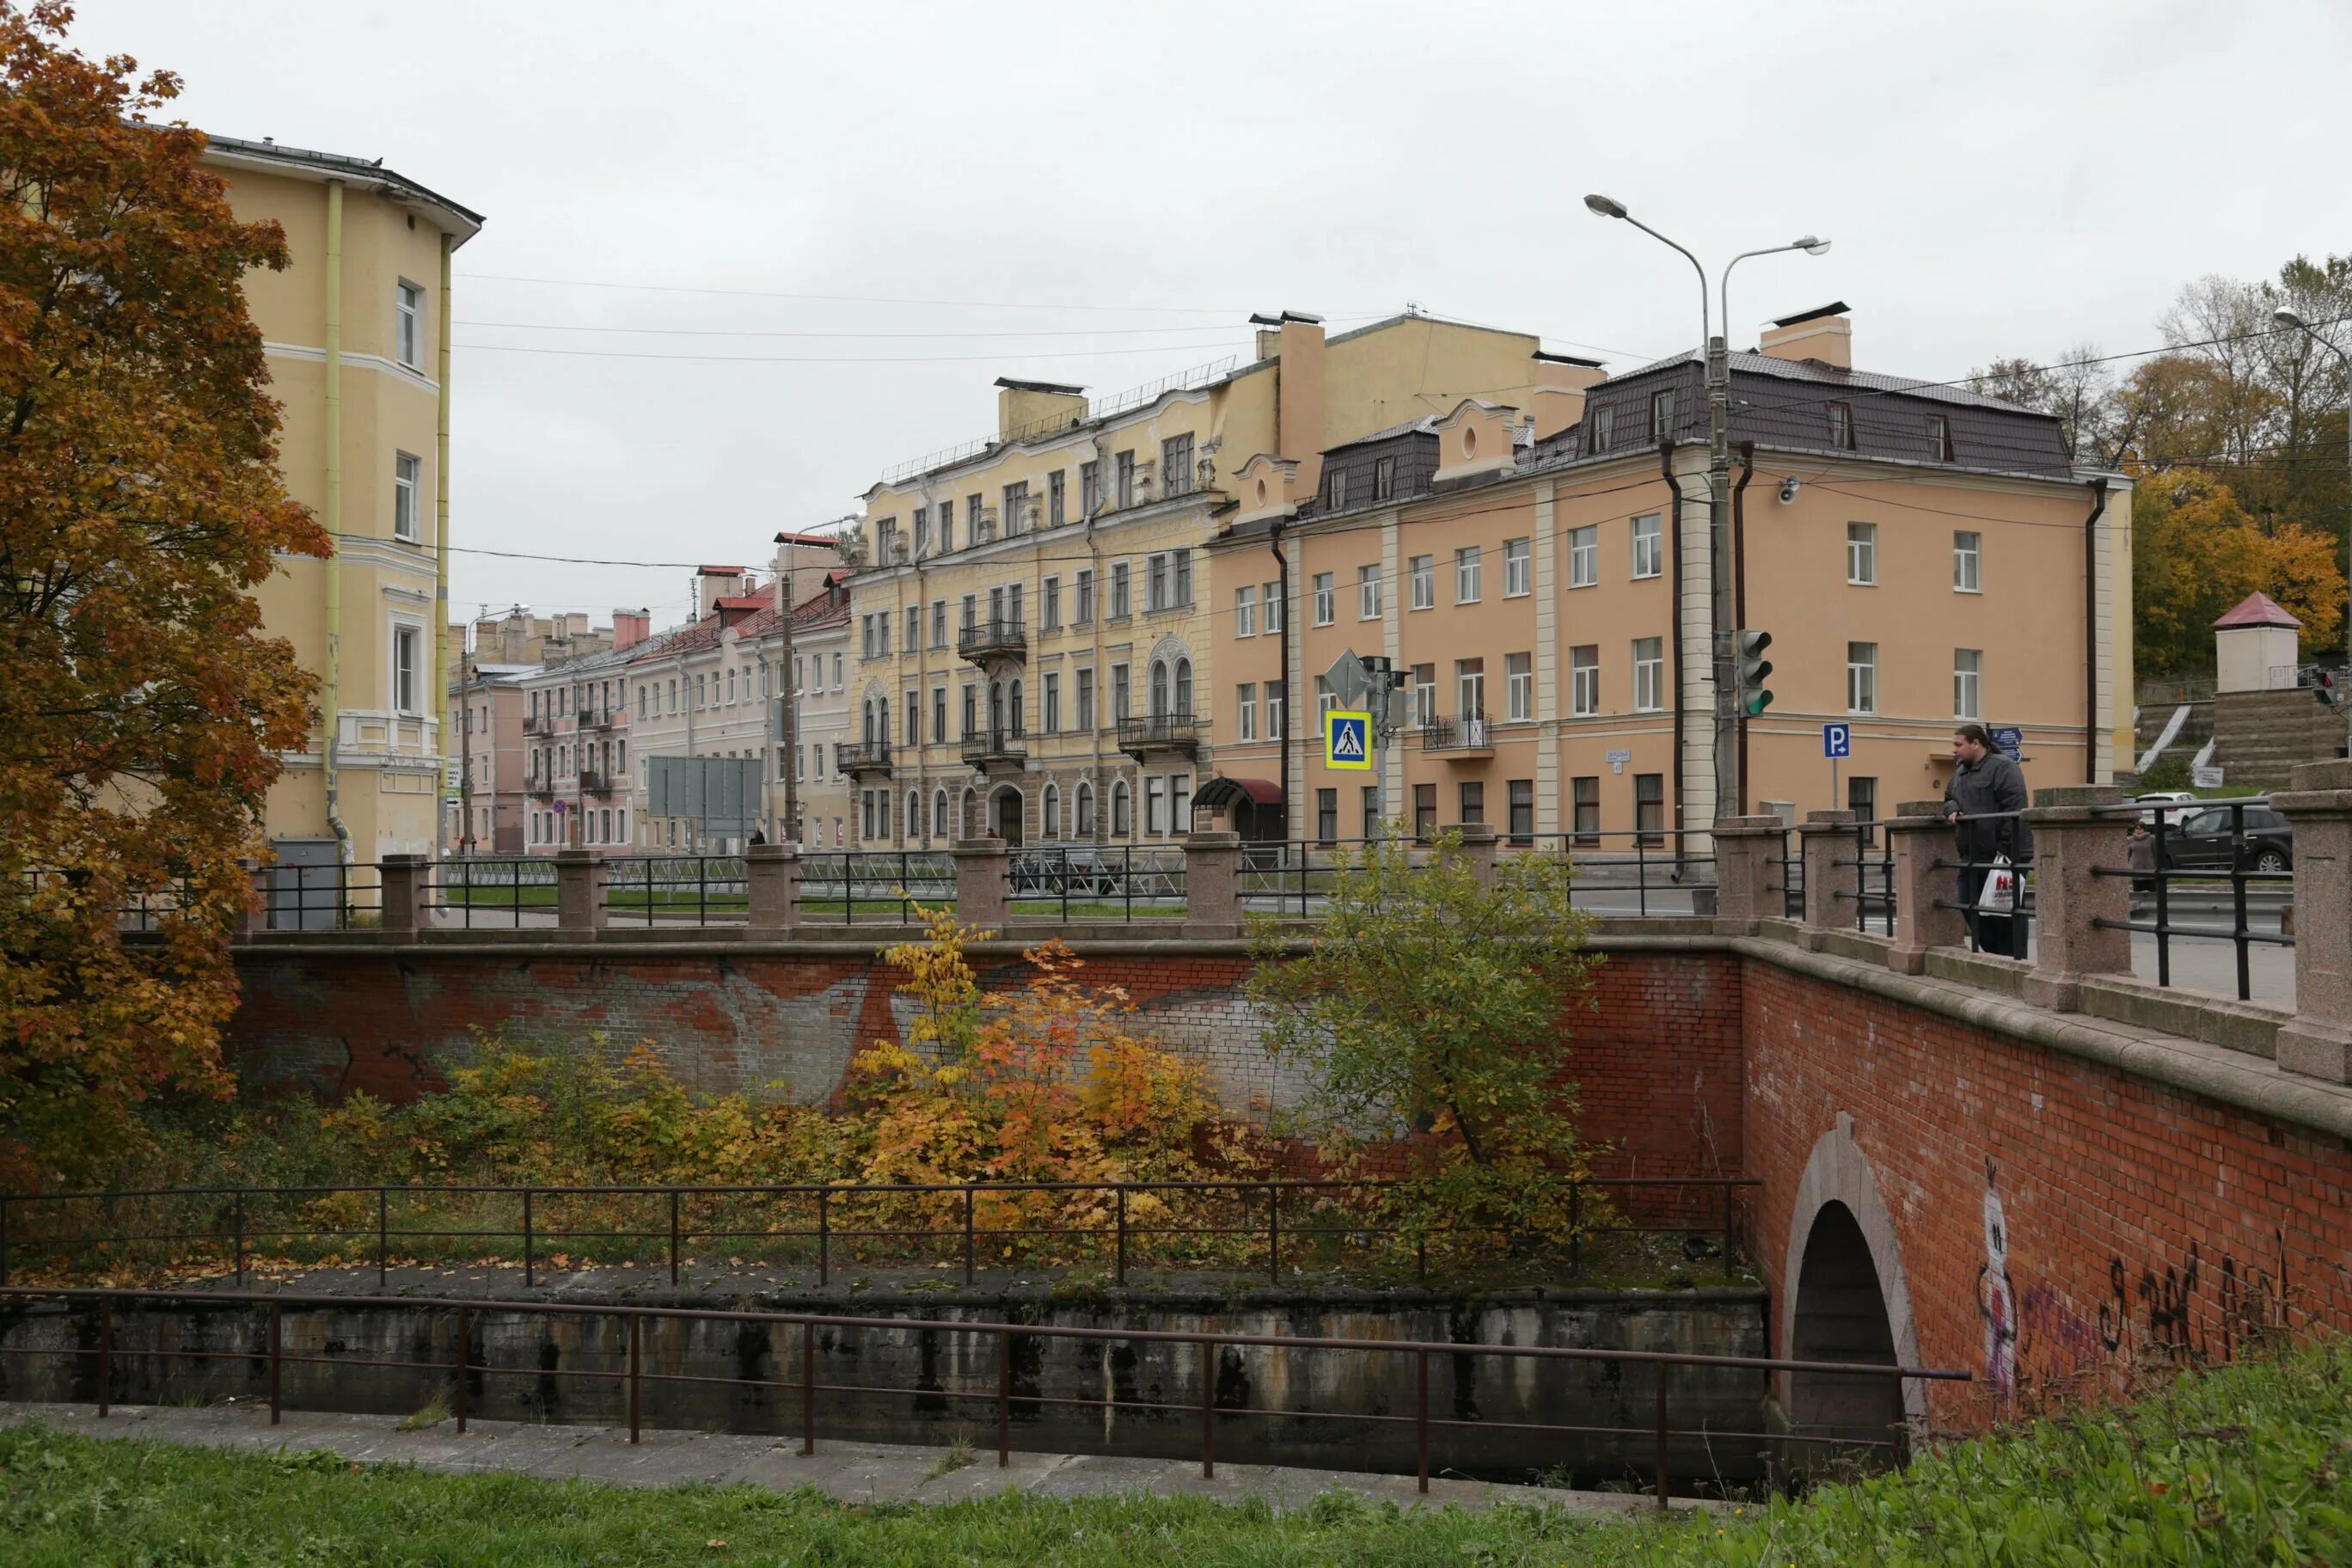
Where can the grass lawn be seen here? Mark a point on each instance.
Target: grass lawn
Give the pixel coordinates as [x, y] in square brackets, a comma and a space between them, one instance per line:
[2247, 1466]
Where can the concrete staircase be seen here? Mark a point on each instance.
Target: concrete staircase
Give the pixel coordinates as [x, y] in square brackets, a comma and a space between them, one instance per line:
[2262, 735]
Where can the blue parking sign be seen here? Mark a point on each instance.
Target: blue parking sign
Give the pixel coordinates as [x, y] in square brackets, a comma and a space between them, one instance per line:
[1837, 740]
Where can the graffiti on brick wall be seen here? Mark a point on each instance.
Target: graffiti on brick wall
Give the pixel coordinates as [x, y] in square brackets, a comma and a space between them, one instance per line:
[1995, 1303]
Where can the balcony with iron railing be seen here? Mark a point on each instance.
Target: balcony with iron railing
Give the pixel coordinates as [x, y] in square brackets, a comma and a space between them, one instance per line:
[598, 720]
[866, 759]
[540, 789]
[993, 639]
[1161, 733]
[593, 781]
[1466, 735]
[992, 749]
[538, 723]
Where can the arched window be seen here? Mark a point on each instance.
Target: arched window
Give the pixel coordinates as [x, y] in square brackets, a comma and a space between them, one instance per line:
[1049, 814]
[1085, 824]
[914, 813]
[939, 816]
[963, 827]
[1119, 810]
[1020, 723]
[1183, 707]
[1159, 689]
[997, 707]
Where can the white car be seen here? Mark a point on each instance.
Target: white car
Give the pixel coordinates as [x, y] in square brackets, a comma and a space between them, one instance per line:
[2174, 804]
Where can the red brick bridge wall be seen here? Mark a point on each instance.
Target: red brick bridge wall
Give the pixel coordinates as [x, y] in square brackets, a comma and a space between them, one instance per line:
[2044, 1216]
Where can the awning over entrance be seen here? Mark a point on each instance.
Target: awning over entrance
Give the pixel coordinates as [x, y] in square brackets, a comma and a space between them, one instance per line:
[1220, 792]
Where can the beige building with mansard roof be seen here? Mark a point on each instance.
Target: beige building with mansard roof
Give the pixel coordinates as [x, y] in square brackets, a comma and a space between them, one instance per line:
[1032, 620]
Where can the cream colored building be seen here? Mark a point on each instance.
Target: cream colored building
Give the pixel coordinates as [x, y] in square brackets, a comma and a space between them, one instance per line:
[1539, 574]
[1032, 625]
[357, 334]
[712, 689]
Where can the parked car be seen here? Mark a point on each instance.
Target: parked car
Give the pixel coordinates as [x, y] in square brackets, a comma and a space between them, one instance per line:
[2172, 804]
[2207, 840]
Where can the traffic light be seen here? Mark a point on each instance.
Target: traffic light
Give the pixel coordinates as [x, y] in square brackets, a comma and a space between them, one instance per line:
[1747, 658]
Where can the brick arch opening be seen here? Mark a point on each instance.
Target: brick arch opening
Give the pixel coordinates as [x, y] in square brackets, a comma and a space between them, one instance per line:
[1844, 1297]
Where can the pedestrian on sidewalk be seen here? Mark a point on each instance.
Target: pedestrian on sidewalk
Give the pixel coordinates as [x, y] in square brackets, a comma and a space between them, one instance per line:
[2139, 854]
[1981, 802]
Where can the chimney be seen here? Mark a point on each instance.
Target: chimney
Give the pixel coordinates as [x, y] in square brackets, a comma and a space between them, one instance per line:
[1560, 382]
[712, 583]
[631, 627]
[1026, 409]
[1824, 335]
[1300, 429]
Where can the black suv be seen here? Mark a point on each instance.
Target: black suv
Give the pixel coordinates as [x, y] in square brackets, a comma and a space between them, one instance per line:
[2203, 840]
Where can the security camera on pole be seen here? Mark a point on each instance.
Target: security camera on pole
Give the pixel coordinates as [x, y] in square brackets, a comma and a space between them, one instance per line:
[1728, 785]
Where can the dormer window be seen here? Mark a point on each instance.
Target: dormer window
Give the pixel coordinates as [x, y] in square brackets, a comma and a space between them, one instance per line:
[1662, 416]
[1939, 438]
[1335, 490]
[1384, 479]
[1842, 427]
[1603, 427]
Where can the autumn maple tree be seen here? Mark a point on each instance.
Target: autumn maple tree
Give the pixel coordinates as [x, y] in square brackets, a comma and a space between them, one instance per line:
[2196, 554]
[141, 713]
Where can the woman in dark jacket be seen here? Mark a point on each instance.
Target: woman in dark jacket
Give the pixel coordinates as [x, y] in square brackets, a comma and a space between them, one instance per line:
[1984, 783]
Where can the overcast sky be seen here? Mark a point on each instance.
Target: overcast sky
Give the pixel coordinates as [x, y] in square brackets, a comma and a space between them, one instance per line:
[1101, 194]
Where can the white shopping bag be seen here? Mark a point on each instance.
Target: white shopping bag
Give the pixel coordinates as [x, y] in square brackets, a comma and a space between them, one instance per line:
[1998, 894]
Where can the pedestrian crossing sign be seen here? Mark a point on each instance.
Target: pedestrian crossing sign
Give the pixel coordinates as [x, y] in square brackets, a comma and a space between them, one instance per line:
[1347, 740]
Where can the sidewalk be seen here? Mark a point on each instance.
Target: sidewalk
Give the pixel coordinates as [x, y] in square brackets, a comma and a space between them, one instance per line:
[847, 1472]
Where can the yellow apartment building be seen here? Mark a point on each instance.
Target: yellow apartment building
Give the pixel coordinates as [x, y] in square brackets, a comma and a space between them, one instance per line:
[357, 333]
[1539, 578]
[1032, 627]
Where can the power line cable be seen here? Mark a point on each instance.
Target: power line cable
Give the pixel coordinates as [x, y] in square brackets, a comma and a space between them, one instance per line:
[851, 298]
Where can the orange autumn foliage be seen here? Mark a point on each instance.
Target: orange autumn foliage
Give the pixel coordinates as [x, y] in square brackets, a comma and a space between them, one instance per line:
[142, 715]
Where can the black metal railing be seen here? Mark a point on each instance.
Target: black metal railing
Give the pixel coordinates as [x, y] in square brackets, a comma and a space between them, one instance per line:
[2201, 865]
[1637, 871]
[865, 758]
[465, 1374]
[493, 892]
[594, 781]
[992, 640]
[1161, 733]
[2004, 934]
[1466, 732]
[883, 886]
[332, 897]
[1265, 1225]
[1097, 882]
[676, 890]
[982, 747]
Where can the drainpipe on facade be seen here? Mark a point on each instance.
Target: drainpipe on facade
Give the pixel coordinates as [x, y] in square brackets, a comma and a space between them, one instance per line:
[441, 538]
[1282, 755]
[2091, 632]
[332, 693]
[1674, 593]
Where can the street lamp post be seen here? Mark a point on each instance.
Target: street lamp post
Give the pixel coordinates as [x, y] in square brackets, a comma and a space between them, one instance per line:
[2292, 322]
[1729, 787]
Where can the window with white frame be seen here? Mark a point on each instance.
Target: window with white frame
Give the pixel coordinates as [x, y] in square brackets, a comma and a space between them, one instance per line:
[1274, 608]
[1118, 590]
[1649, 547]
[1968, 562]
[1662, 415]
[1326, 698]
[1424, 694]
[1325, 599]
[1648, 675]
[1466, 575]
[408, 326]
[1584, 556]
[1967, 683]
[1274, 710]
[1519, 568]
[406, 670]
[1520, 684]
[1245, 711]
[1245, 612]
[1584, 681]
[1423, 575]
[1861, 677]
[1155, 581]
[1862, 554]
[407, 473]
[1367, 593]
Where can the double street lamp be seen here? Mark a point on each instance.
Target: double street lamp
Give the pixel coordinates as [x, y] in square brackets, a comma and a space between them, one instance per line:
[1728, 785]
[2292, 323]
